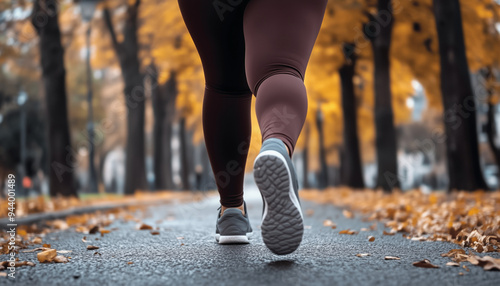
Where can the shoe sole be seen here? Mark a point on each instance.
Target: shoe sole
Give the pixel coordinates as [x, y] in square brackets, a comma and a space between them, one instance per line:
[282, 221]
[232, 239]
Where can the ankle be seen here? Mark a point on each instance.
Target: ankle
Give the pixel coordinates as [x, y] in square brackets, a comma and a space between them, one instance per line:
[241, 208]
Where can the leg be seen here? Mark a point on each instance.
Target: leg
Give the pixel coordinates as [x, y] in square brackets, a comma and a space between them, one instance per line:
[217, 32]
[279, 37]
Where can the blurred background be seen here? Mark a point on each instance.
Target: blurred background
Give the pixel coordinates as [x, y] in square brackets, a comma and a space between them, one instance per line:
[106, 97]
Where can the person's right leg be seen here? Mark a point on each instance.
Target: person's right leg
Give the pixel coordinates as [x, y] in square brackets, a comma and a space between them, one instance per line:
[279, 37]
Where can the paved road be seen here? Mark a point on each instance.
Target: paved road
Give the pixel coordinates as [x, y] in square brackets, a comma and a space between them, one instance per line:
[324, 258]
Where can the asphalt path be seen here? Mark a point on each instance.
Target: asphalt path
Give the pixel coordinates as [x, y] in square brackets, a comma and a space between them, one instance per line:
[185, 253]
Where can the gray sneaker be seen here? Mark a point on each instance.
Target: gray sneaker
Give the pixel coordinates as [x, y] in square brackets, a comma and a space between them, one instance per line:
[232, 226]
[282, 219]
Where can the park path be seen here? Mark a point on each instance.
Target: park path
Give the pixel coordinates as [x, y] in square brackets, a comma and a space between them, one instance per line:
[185, 253]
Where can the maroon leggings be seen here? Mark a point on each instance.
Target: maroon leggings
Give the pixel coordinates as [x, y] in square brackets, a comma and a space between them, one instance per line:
[251, 46]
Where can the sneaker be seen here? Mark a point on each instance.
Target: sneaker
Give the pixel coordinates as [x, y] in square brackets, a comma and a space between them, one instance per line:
[282, 219]
[232, 226]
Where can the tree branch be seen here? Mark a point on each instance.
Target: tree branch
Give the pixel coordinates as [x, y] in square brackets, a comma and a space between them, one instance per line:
[109, 25]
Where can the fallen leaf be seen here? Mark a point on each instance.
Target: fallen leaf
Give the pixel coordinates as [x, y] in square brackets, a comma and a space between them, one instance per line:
[362, 254]
[145, 227]
[371, 238]
[328, 222]
[364, 229]
[46, 245]
[37, 240]
[155, 232]
[451, 263]
[36, 249]
[64, 251]
[94, 229]
[487, 262]
[460, 273]
[5, 264]
[97, 253]
[392, 258]
[130, 262]
[347, 214]
[60, 259]
[388, 233]
[92, 247]
[46, 255]
[424, 264]
[348, 231]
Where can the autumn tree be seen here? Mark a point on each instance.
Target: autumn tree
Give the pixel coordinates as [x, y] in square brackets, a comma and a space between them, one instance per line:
[163, 101]
[464, 170]
[127, 52]
[379, 31]
[351, 171]
[60, 154]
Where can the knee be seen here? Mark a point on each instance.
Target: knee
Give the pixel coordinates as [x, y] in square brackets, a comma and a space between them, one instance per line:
[255, 77]
[220, 91]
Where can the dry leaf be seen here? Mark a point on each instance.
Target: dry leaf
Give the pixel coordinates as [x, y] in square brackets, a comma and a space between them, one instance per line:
[362, 254]
[46, 245]
[36, 249]
[92, 247]
[371, 238]
[145, 227]
[154, 232]
[348, 214]
[424, 264]
[348, 231]
[46, 255]
[94, 229]
[328, 222]
[452, 264]
[364, 229]
[5, 264]
[487, 262]
[392, 258]
[130, 262]
[37, 240]
[64, 251]
[60, 259]
[388, 233]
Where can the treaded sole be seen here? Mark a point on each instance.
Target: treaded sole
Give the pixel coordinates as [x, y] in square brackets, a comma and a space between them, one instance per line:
[282, 224]
[232, 239]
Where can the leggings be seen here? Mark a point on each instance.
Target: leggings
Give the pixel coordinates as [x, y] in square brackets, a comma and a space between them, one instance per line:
[251, 46]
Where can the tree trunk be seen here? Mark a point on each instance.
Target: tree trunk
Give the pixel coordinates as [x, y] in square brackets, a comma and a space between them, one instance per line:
[490, 126]
[379, 32]
[185, 166]
[464, 170]
[158, 100]
[127, 52]
[170, 89]
[62, 157]
[323, 172]
[350, 167]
